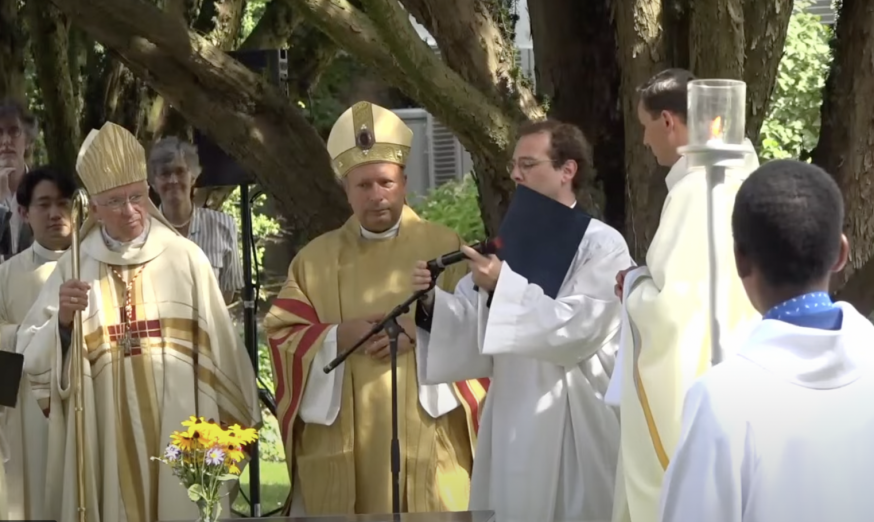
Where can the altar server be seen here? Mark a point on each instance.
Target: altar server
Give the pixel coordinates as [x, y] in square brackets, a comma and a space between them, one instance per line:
[158, 342]
[44, 199]
[666, 338]
[781, 431]
[337, 427]
[541, 323]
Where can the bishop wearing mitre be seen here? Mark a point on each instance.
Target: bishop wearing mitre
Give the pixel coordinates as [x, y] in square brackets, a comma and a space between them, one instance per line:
[159, 343]
[337, 426]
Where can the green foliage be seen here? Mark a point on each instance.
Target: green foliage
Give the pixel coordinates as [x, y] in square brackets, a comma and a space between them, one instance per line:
[791, 129]
[456, 205]
[263, 226]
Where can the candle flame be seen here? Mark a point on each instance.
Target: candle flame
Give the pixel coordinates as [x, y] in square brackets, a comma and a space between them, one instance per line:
[716, 128]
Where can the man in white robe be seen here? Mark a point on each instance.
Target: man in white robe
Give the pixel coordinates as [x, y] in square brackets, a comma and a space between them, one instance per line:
[44, 202]
[781, 431]
[666, 335]
[159, 343]
[548, 443]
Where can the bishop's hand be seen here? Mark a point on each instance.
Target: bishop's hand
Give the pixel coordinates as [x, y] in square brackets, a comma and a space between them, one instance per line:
[352, 331]
[72, 298]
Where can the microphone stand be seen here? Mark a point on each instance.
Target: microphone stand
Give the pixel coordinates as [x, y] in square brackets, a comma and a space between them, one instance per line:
[390, 324]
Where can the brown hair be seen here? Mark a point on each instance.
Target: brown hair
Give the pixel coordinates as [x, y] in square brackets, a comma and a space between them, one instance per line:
[566, 143]
[666, 91]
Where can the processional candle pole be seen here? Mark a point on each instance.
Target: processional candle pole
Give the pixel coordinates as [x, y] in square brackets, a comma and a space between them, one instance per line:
[716, 113]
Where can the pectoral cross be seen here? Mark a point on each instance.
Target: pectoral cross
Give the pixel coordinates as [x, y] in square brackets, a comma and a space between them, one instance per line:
[129, 343]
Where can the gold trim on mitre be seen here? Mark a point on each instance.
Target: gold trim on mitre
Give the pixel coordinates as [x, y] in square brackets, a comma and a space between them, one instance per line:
[109, 158]
[367, 133]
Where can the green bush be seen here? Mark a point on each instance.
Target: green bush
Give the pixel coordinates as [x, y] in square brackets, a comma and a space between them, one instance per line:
[456, 205]
[791, 129]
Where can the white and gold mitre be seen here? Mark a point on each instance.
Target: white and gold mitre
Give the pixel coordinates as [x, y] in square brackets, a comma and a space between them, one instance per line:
[110, 157]
[367, 133]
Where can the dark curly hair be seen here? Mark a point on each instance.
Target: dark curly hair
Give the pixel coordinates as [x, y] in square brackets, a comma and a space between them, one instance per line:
[787, 221]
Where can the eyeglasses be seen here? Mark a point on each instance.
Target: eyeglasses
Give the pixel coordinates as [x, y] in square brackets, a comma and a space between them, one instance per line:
[525, 164]
[119, 203]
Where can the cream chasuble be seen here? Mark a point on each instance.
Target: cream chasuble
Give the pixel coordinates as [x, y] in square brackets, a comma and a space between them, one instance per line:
[666, 345]
[185, 359]
[337, 427]
[24, 428]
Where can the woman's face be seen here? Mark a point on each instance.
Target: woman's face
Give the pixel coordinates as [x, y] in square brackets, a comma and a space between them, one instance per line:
[173, 183]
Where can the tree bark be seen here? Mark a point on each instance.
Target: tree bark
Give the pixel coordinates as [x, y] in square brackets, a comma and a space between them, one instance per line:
[220, 20]
[765, 26]
[49, 31]
[580, 78]
[12, 45]
[643, 53]
[274, 28]
[846, 144]
[717, 38]
[238, 109]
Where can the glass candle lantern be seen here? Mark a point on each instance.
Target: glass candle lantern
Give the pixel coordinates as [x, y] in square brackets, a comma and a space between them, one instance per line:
[716, 112]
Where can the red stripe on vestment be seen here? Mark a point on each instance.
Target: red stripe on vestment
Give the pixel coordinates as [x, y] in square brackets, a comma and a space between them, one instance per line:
[308, 340]
[468, 396]
[298, 308]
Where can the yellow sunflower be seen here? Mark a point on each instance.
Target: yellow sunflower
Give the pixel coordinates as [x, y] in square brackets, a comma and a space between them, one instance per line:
[242, 435]
[183, 440]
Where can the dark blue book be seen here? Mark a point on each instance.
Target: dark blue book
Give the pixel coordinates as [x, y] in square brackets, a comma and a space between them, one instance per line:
[540, 237]
[11, 368]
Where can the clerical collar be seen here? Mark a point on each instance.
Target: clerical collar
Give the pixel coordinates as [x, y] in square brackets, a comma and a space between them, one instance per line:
[117, 246]
[42, 255]
[388, 234]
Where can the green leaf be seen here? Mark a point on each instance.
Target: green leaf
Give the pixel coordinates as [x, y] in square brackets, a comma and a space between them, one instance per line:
[195, 492]
[228, 477]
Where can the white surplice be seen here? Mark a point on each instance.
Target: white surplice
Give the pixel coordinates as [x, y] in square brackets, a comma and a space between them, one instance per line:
[781, 432]
[548, 443]
[23, 429]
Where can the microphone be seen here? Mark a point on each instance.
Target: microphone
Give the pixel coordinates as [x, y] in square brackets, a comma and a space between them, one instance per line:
[484, 248]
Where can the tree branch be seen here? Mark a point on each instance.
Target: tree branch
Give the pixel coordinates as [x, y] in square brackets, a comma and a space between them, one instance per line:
[221, 21]
[471, 42]
[12, 43]
[239, 110]
[49, 39]
[274, 28]
[765, 26]
[406, 61]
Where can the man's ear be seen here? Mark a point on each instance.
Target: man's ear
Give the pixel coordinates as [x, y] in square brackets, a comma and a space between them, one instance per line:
[843, 255]
[22, 211]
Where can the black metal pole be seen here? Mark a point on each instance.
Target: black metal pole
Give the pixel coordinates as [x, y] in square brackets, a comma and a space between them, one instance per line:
[393, 329]
[250, 335]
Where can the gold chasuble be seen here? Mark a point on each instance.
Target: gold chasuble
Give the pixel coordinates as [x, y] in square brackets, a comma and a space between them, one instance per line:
[344, 467]
[183, 357]
[24, 428]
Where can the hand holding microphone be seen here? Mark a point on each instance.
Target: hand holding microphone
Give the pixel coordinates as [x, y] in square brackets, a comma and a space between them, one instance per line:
[425, 272]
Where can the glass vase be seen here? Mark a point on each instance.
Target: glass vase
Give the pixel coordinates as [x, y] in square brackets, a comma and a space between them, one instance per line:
[208, 510]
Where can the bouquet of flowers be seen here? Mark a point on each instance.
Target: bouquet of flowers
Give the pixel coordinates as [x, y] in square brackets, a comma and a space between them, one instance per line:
[204, 456]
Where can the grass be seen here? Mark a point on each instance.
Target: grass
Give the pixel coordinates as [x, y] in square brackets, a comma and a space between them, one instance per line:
[274, 488]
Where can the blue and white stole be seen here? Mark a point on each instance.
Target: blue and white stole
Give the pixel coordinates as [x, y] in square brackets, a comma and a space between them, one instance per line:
[813, 310]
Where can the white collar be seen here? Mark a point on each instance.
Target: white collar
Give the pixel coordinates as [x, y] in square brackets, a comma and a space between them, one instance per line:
[678, 172]
[43, 255]
[388, 234]
[813, 358]
[115, 245]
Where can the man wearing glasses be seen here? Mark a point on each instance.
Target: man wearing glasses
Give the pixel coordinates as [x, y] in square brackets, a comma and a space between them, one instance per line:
[17, 134]
[157, 335]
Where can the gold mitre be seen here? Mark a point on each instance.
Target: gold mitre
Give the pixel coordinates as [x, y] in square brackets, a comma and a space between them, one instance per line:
[367, 133]
[110, 158]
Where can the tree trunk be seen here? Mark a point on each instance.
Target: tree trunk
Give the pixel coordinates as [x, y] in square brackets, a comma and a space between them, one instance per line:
[12, 45]
[580, 78]
[765, 26]
[642, 45]
[846, 144]
[49, 34]
[220, 20]
[717, 38]
[237, 108]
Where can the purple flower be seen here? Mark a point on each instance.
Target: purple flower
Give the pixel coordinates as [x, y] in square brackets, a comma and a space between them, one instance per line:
[172, 453]
[215, 456]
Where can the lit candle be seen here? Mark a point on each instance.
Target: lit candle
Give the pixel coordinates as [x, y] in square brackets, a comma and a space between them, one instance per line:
[716, 132]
